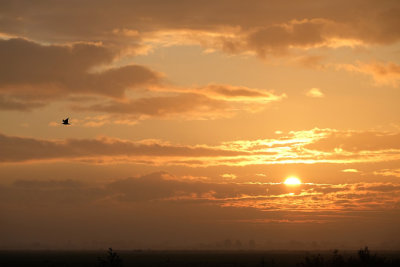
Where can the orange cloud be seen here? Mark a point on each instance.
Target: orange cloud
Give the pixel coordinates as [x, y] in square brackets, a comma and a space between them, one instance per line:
[238, 93]
[382, 73]
[209, 102]
[388, 172]
[199, 106]
[164, 187]
[262, 27]
[310, 147]
[357, 141]
[17, 149]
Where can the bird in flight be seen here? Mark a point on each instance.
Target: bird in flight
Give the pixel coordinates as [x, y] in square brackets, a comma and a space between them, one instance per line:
[65, 122]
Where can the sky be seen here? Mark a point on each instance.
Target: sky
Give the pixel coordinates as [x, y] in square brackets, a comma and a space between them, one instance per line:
[188, 116]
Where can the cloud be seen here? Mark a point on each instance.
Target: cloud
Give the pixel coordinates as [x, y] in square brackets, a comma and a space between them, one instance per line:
[382, 73]
[311, 61]
[350, 170]
[307, 147]
[335, 198]
[229, 176]
[258, 26]
[152, 206]
[32, 73]
[238, 93]
[319, 145]
[8, 102]
[277, 39]
[163, 106]
[167, 188]
[315, 92]
[388, 172]
[273, 38]
[357, 141]
[209, 102]
[158, 186]
[18, 149]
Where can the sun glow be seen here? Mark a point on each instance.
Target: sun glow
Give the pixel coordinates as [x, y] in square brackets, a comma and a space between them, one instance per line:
[292, 181]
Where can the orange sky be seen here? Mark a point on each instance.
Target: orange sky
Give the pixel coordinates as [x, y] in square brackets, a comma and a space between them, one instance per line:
[187, 117]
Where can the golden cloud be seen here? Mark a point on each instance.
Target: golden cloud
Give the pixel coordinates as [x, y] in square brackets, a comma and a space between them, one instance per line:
[382, 73]
[259, 26]
[310, 147]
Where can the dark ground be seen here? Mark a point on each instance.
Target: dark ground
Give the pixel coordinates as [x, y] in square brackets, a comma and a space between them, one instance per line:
[192, 258]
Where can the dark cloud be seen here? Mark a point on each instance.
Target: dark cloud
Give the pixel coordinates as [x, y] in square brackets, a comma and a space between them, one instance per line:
[379, 187]
[279, 38]
[261, 26]
[25, 61]
[162, 206]
[30, 72]
[17, 149]
[158, 186]
[164, 187]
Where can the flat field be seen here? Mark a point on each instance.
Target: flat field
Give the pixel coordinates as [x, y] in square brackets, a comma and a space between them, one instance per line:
[183, 258]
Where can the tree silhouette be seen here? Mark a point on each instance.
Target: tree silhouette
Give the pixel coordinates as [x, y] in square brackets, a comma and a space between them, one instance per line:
[337, 259]
[313, 261]
[112, 260]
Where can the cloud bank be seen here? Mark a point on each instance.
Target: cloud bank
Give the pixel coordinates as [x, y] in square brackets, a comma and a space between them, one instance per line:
[313, 146]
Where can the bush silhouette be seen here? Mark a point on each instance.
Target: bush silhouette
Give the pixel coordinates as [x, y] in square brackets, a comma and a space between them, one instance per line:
[364, 259]
[313, 261]
[112, 260]
[337, 259]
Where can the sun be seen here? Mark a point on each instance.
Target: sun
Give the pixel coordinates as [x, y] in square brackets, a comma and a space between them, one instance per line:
[292, 181]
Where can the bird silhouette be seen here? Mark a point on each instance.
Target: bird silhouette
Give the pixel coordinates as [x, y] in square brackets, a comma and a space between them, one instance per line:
[65, 122]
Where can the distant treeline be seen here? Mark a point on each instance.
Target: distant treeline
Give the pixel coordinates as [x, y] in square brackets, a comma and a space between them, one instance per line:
[199, 258]
[363, 258]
